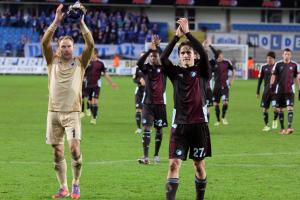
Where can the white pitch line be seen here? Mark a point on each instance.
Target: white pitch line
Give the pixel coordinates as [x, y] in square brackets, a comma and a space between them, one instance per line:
[250, 165]
[223, 165]
[105, 162]
[256, 154]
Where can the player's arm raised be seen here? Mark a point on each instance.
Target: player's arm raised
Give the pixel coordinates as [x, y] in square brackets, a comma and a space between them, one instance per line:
[87, 53]
[141, 61]
[47, 37]
[213, 50]
[197, 46]
[164, 57]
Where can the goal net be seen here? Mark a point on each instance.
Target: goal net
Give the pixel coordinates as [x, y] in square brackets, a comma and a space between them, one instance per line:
[237, 54]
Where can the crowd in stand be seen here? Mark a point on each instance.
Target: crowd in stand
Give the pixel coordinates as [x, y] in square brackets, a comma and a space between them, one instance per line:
[107, 27]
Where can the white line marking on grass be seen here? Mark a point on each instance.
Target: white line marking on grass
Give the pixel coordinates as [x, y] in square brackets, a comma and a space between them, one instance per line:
[256, 154]
[106, 162]
[249, 165]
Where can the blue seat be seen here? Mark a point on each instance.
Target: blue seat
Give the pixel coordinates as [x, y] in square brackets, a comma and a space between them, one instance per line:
[13, 35]
[209, 26]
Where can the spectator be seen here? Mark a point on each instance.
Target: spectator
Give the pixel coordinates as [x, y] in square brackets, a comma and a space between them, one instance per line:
[116, 61]
[107, 27]
[21, 45]
[8, 49]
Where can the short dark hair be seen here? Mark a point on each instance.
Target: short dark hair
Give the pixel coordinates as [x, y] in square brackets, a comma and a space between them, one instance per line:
[288, 50]
[218, 52]
[96, 51]
[271, 54]
[184, 43]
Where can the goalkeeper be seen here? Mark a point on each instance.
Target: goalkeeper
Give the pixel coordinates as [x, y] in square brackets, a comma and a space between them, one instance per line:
[65, 73]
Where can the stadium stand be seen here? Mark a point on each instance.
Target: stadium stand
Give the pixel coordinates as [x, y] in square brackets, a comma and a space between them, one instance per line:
[107, 27]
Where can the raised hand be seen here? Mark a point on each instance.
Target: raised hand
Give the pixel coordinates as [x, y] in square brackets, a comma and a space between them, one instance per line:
[179, 32]
[155, 39]
[184, 24]
[59, 14]
[206, 43]
[152, 46]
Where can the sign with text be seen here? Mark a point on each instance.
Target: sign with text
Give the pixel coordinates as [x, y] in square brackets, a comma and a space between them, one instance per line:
[126, 50]
[276, 41]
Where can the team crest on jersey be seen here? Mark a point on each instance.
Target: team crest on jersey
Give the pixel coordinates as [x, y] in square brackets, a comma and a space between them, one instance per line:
[193, 74]
[291, 68]
[178, 152]
[158, 70]
[72, 65]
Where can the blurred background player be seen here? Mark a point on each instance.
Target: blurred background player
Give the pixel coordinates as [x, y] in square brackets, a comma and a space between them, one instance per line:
[268, 93]
[65, 74]
[220, 68]
[190, 133]
[84, 112]
[138, 78]
[208, 85]
[285, 73]
[93, 75]
[154, 100]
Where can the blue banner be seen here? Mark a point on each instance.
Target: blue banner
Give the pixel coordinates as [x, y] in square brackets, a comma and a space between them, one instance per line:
[127, 50]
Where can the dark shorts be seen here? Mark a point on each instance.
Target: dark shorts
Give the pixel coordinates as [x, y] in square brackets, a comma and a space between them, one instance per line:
[93, 92]
[266, 100]
[209, 98]
[219, 93]
[154, 114]
[139, 94]
[284, 100]
[190, 138]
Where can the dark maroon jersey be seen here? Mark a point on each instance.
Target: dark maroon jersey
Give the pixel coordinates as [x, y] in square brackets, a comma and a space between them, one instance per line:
[189, 84]
[285, 74]
[94, 71]
[220, 71]
[155, 81]
[265, 73]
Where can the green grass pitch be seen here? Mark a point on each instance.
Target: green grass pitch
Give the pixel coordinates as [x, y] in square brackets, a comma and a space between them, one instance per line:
[246, 164]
